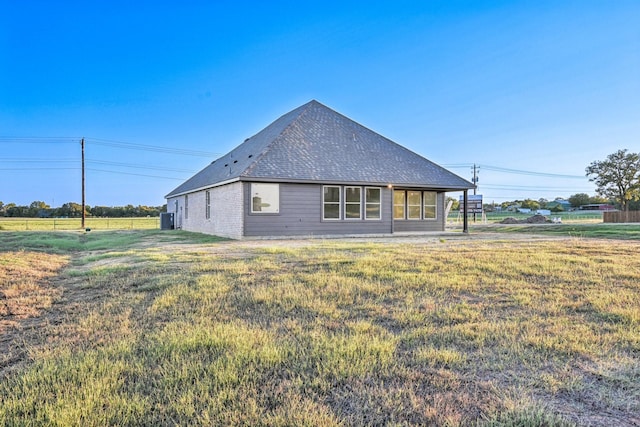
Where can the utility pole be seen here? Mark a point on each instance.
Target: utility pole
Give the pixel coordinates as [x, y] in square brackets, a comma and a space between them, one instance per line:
[83, 214]
[476, 170]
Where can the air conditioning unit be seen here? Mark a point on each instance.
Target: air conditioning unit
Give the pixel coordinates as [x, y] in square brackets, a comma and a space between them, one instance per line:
[166, 221]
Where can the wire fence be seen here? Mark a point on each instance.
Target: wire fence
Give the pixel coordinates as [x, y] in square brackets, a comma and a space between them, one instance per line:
[51, 224]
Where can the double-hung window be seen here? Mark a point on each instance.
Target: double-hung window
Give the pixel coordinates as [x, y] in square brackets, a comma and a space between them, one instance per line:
[429, 204]
[414, 201]
[398, 204]
[352, 202]
[331, 201]
[372, 203]
[186, 206]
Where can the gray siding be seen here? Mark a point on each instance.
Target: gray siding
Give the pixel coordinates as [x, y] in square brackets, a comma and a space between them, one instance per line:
[301, 215]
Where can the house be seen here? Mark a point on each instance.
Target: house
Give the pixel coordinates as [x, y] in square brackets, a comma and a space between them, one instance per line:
[315, 172]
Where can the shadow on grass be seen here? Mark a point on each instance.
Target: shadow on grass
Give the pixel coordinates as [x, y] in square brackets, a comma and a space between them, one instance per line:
[64, 242]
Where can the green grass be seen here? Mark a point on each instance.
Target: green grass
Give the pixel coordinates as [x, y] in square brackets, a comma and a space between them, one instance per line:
[101, 240]
[484, 333]
[601, 231]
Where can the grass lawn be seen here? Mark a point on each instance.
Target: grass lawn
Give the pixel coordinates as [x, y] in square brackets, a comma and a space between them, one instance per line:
[601, 231]
[174, 328]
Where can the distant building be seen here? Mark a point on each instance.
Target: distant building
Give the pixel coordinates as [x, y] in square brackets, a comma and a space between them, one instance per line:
[597, 207]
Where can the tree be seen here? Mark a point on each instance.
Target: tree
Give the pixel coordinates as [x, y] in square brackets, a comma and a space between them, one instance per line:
[71, 210]
[579, 199]
[530, 204]
[598, 200]
[617, 177]
[37, 208]
[455, 204]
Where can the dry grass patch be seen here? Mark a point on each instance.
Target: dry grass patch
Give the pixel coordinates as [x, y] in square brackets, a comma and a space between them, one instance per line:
[333, 333]
[25, 288]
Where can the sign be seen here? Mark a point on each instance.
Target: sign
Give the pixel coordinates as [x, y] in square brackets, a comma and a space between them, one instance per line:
[474, 201]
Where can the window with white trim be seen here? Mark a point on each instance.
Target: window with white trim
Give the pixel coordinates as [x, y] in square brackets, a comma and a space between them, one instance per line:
[352, 202]
[430, 203]
[265, 198]
[331, 201]
[414, 202]
[398, 204]
[372, 203]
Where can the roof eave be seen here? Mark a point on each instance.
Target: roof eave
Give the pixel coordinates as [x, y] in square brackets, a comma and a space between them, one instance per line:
[205, 187]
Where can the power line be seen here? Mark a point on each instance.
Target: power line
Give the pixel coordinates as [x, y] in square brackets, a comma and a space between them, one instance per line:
[513, 171]
[23, 160]
[137, 166]
[101, 162]
[135, 174]
[154, 148]
[107, 143]
[529, 188]
[37, 169]
[525, 172]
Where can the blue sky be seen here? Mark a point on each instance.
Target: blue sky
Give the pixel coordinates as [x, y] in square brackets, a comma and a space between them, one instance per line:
[531, 91]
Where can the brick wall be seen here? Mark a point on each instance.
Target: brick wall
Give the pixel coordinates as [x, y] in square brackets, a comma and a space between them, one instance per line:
[226, 219]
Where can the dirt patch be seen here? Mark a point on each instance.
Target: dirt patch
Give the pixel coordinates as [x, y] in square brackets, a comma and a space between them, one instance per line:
[536, 219]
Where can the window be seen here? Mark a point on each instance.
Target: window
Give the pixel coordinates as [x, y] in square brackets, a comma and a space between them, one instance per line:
[352, 205]
[265, 198]
[430, 202]
[331, 202]
[398, 204]
[186, 206]
[207, 210]
[414, 200]
[372, 203]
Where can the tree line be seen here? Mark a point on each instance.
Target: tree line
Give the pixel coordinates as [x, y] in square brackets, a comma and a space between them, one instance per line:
[39, 209]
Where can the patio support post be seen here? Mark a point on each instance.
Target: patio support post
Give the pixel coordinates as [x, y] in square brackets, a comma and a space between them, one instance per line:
[465, 216]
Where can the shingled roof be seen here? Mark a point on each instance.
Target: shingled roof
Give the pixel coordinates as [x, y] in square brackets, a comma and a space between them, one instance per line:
[314, 143]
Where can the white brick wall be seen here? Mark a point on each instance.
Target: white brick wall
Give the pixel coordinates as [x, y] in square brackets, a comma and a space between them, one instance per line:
[227, 215]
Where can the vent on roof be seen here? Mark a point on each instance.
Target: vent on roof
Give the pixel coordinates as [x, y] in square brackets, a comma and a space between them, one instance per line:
[235, 161]
[247, 139]
[226, 164]
[250, 155]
